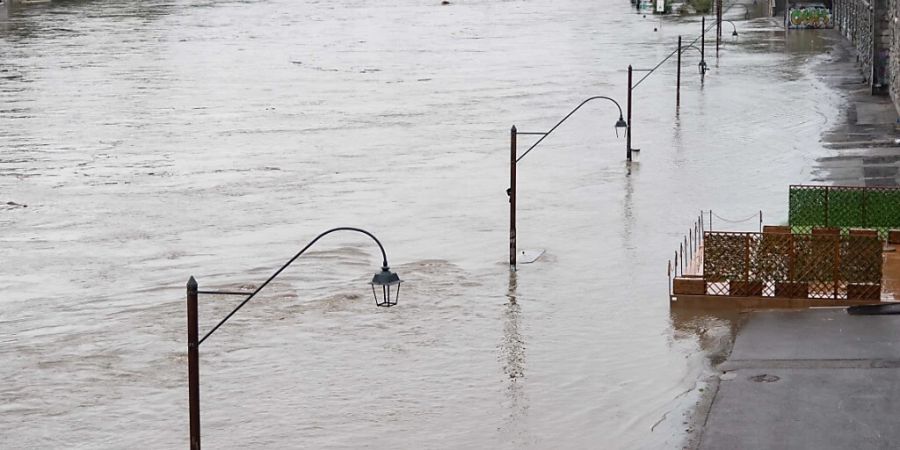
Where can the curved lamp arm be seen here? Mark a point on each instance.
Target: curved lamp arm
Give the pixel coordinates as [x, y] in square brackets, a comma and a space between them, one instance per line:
[691, 46]
[733, 27]
[567, 116]
[285, 266]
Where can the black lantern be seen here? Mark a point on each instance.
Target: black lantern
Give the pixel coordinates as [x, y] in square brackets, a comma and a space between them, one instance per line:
[703, 67]
[389, 283]
[734, 33]
[621, 124]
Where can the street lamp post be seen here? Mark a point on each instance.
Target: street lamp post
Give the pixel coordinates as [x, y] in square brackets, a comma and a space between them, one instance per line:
[628, 122]
[718, 25]
[514, 159]
[385, 281]
[678, 78]
[702, 66]
[681, 48]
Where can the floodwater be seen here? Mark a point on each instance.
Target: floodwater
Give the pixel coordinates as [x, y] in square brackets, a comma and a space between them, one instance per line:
[156, 140]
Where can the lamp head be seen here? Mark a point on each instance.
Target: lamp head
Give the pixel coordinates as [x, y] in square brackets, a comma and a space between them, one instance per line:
[388, 284]
[621, 123]
[734, 33]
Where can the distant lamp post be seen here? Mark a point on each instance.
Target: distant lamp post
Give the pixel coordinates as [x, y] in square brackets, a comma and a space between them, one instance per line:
[385, 289]
[703, 68]
[514, 159]
[733, 28]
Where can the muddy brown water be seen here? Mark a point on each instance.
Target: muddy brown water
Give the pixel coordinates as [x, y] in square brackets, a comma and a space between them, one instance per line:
[153, 141]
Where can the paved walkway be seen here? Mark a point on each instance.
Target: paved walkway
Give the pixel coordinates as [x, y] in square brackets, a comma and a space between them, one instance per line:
[818, 379]
[864, 150]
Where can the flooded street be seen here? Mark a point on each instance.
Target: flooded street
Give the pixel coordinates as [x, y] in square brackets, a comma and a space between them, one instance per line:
[156, 140]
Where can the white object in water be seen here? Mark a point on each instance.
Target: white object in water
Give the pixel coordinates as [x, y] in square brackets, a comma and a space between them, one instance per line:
[531, 255]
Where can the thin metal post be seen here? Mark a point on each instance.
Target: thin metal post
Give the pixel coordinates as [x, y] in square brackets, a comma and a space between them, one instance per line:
[669, 275]
[691, 238]
[703, 41]
[193, 364]
[628, 130]
[718, 25]
[697, 234]
[512, 197]
[747, 258]
[678, 78]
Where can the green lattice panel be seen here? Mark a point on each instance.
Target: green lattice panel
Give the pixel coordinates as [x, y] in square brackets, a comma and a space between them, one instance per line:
[807, 207]
[846, 207]
[883, 208]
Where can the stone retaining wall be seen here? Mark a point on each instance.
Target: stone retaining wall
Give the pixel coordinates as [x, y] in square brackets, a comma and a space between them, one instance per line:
[854, 19]
[892, 17]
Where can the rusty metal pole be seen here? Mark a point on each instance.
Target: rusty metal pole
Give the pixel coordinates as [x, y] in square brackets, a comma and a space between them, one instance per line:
[193, 364]
[512, 197]
[718, 25]
[678, 78]
[628, 130]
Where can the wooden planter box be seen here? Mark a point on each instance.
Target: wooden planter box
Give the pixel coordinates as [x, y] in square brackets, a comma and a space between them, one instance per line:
[860, 232]
[894, 237]
[745, 288]
[788, 289]
[689, 286]
[831, 231]
[776, 229]
[863, 291]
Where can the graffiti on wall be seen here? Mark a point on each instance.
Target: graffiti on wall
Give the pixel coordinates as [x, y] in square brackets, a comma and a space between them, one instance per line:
[808, 15]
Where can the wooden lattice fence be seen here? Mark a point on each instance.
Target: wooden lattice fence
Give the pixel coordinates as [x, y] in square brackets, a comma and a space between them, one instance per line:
[792, 265]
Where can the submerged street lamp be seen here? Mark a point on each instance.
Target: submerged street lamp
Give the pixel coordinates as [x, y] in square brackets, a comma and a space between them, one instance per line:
[733, 27]
[385, 289]
[386, 280]
[701, 66]
[514, 159]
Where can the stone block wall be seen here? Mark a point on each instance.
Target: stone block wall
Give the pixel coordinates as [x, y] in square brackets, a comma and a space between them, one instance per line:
[855, 20]
[893, 67]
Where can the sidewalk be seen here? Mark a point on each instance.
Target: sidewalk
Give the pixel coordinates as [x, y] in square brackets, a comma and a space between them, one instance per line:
[821, 378]
[809, 379]
[864, 150]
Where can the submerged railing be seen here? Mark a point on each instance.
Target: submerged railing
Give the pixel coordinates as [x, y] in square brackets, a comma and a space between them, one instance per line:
[688, 261]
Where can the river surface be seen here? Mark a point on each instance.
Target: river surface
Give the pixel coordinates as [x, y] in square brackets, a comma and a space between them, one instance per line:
[156, 140]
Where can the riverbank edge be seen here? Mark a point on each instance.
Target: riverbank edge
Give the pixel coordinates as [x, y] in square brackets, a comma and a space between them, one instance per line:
[844, 133]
